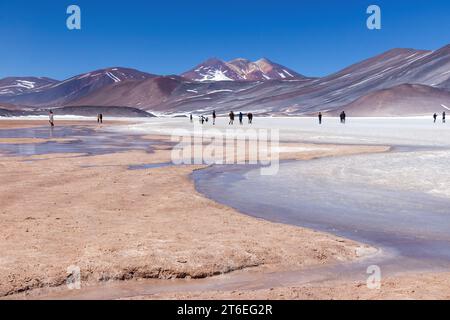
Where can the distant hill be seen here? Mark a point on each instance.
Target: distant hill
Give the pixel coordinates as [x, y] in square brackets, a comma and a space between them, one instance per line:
[405, 99]
[64, 92]
[18, 85]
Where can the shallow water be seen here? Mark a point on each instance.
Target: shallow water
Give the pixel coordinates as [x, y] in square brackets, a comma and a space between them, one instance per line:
[83, 141]
[398, 201]
[150, 166]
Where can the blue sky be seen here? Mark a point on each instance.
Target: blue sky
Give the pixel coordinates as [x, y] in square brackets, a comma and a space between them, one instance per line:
[314, 37]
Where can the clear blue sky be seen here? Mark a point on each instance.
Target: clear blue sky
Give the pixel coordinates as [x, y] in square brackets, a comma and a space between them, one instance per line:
[314, 37]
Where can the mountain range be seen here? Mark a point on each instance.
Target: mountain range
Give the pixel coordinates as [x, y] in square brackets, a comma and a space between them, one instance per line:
[240, 70]
[397, 82]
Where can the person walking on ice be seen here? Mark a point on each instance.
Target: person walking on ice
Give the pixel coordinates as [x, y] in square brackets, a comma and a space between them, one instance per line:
[231, 118]
[214, 116]
[435, 117]
[51, 119]
[250, 118]
[343, 117]
[443, 117]
[320, 117]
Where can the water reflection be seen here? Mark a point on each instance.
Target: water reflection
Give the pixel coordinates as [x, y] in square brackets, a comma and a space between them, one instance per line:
[82, 140]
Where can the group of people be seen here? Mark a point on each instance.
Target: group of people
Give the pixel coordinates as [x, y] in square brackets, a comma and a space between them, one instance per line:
[51, 118]
[241, 118]
[342, 116]
[202, 119]
[232, 116]
[435, 116]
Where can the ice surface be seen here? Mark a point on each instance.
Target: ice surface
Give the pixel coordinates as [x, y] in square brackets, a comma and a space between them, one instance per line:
[82, 141]
[414, 131]
[425, 172]
[398, 201]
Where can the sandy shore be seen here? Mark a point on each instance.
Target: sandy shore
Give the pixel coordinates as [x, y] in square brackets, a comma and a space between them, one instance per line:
[423, 286]
[119, 224]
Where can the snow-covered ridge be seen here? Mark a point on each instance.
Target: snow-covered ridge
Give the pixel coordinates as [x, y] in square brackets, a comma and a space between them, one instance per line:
[20, 84]
[115, 74]
[12, 86]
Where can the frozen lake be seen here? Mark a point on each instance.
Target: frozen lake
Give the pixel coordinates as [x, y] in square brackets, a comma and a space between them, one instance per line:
[369, 198]
[80, 141]
[417, 131]
[398, 200]
[414, 131]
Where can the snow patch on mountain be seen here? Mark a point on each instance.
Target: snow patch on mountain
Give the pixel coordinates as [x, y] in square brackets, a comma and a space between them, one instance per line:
[240, 70]
[215, 75]
[218, 91]
[113, 77]
[26, 84]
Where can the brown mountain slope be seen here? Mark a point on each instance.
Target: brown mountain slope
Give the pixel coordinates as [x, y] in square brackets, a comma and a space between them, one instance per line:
[402, 100]
[143, 94]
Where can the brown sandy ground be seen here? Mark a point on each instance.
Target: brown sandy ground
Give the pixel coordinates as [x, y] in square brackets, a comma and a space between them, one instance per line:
[425, 286]
[117, 224]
